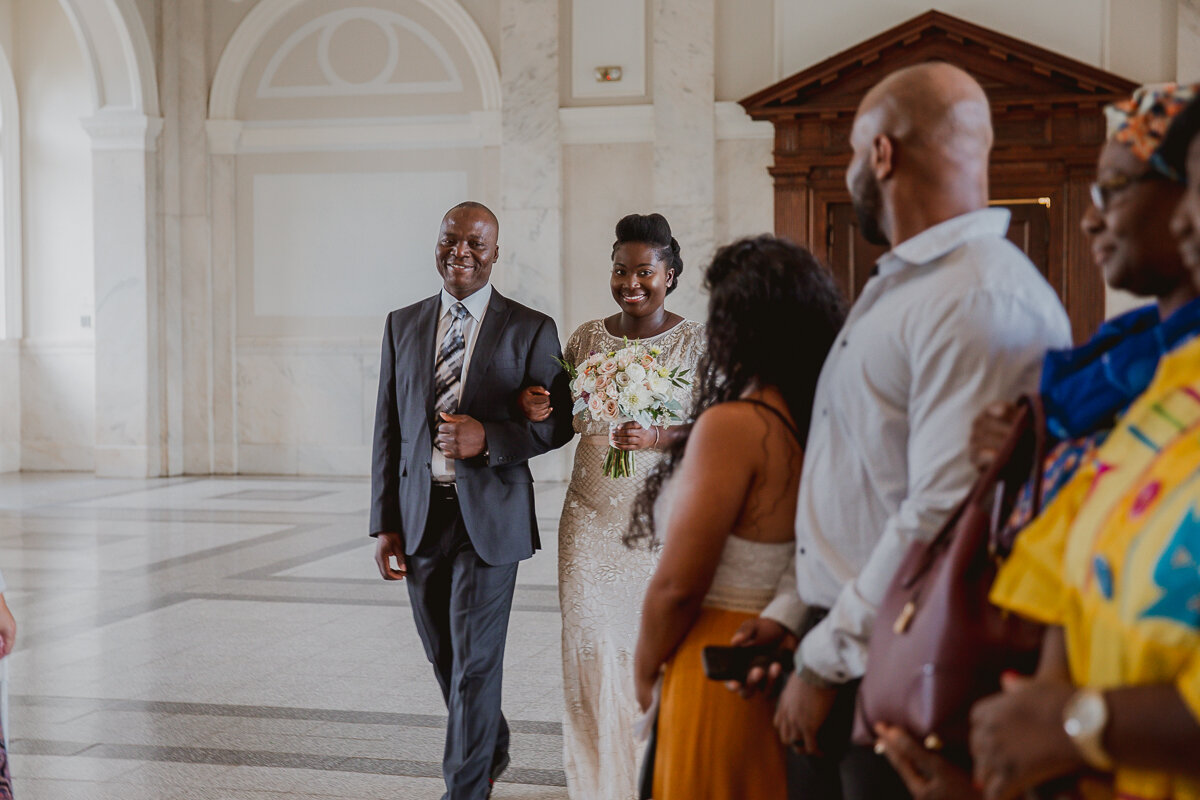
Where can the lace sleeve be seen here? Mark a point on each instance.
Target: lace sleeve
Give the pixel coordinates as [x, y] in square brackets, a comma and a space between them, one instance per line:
[571, 351]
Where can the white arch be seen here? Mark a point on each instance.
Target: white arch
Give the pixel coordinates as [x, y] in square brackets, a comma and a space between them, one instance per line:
[231, 70]
[117, 54]
[11, 324]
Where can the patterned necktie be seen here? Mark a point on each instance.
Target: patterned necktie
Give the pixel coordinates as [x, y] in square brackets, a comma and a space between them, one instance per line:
[448, 369]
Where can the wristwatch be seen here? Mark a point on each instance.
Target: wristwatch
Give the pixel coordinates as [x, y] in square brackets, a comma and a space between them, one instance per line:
[1085, 716]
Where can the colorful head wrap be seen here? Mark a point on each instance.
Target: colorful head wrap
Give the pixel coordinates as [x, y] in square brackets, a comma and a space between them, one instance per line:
[1141, 122]
[1184, 128]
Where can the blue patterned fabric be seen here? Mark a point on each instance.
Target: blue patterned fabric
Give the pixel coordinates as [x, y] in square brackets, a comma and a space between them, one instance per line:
[1085, 388]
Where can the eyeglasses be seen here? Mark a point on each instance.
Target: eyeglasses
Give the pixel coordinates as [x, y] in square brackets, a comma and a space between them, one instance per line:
[1102, 191]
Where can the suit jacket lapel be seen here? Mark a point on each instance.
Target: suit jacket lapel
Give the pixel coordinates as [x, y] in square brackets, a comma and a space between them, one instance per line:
[485, 345]
[426, 334]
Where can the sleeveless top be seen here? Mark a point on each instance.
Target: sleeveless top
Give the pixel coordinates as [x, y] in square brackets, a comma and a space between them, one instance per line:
[748, 572]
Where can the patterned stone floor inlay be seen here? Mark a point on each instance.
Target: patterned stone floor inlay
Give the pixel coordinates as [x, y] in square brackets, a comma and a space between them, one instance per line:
[229, 638]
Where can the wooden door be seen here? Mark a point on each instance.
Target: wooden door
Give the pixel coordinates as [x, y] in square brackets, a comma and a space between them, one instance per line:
[852, 258]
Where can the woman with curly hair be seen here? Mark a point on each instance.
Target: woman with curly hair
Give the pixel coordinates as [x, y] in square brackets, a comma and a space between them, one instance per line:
[600, 581]
[729, 515]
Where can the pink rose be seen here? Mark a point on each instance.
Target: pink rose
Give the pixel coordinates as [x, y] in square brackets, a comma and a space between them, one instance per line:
[611, 409]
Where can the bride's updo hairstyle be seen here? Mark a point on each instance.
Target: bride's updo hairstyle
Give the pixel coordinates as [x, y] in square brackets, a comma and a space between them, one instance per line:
[653, 230]
[773, 314]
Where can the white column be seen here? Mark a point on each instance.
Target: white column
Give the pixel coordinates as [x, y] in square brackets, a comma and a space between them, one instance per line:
[223, 189]
[186, 244]
[530, 266]
[130, 418]
[685, 138]
[1188, 50]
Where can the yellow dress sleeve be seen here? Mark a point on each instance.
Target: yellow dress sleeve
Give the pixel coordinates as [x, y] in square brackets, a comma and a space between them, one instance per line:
[1031, 581]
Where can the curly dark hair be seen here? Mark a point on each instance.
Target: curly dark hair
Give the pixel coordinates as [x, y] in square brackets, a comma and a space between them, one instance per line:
[654, 230]
[773, 313]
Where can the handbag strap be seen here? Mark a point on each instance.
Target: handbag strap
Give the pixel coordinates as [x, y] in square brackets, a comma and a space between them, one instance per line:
[1030, 416]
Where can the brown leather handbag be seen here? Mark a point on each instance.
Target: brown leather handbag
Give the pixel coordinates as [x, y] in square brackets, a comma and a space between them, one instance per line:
[939, 644]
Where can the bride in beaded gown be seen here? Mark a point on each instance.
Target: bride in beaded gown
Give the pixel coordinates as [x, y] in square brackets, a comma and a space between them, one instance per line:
[601, 581]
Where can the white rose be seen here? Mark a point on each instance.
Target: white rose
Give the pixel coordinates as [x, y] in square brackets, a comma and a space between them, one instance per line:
[576, 384]
[635, 398]
[658, 384]
[594, 359]
[589, 384]
[596, 406]
[612, 390]
[622, 379]
[635, 371]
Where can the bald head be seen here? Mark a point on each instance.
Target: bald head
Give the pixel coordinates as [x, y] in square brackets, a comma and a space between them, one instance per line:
[933, 106]
[471, 205]
[921, 140]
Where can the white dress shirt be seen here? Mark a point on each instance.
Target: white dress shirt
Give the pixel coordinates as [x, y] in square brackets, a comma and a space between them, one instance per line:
[476, 305]
[956, 318]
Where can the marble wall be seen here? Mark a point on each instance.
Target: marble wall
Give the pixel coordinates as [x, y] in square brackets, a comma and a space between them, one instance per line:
[227, 341]
[1188, 41]
[10, 405]
[58, 406]
[56, 385]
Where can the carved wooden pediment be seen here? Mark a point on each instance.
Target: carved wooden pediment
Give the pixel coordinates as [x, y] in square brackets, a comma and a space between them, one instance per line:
[1014, 73]
[1048, 123]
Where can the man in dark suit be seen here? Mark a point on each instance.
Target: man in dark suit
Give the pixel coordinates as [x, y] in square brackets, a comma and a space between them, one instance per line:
[451, 491]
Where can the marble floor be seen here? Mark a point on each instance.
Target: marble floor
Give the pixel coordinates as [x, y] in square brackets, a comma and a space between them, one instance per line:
[230, 638]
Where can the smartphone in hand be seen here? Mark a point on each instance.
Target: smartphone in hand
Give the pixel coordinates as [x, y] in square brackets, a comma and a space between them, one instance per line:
[728, 663]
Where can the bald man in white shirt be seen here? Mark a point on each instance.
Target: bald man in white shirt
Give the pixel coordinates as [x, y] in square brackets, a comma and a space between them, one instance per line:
[954, 317]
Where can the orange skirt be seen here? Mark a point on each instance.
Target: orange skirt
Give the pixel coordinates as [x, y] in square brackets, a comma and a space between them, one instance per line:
[712, 744]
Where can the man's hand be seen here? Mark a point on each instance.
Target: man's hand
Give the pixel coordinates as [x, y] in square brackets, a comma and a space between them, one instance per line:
[761, 630]
[8, 629]
[801, 712]
[460, 436]
[989, 432]
[1017, 737]
[631, 436]
[927, 775]
[387, 547]
[535, 403]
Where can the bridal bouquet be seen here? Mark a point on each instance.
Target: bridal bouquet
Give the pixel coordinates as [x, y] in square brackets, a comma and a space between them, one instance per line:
[626, 385]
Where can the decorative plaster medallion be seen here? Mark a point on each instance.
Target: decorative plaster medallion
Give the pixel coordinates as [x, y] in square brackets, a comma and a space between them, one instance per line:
[382, 83]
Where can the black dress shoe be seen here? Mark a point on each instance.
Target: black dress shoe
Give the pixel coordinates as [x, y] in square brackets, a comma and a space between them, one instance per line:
[498, 768]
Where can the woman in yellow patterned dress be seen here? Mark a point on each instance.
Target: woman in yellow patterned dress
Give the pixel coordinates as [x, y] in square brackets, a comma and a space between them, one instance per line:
[600, 581]
[1113, 567]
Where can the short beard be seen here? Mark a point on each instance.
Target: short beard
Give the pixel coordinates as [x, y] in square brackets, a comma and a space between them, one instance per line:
[868, 206]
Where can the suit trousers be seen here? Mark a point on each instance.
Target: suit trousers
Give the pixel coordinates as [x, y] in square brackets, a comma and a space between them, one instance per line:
[844, 771]
[461, 605]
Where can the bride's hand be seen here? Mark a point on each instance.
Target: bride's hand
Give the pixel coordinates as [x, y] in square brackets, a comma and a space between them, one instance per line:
[631, 436]
[535, 403]
[644, 687]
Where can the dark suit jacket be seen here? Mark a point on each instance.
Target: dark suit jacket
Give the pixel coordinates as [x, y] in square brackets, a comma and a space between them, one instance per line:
[515, 348]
